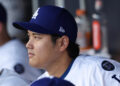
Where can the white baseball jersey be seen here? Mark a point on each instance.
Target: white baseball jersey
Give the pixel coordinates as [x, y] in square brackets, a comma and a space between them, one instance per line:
[92, 71]
[10, 78]
[13, 56]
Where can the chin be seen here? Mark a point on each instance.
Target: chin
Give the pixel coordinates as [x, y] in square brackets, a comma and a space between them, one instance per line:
[35, 65]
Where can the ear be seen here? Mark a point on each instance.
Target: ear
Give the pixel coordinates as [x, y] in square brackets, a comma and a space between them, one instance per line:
[63, 43]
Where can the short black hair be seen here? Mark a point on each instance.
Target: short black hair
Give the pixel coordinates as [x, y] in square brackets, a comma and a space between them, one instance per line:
[72, 49]
[3, 14]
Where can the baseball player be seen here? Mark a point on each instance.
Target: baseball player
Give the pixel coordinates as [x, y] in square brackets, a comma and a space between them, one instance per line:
[52, 46]
[13, 54]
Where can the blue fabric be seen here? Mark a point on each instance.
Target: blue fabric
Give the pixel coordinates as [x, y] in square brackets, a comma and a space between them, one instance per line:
[51, 20]
[67, 71]
[52, 82]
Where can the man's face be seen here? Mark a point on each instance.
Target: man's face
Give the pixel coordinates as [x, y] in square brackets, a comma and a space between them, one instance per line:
[42, 52]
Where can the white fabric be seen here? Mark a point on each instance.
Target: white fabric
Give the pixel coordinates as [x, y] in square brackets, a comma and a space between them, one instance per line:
[88, 71]
[45, 74]
[14, 52]
[10, 78]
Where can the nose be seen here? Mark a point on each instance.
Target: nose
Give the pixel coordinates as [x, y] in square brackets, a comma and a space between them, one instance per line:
[29, 44]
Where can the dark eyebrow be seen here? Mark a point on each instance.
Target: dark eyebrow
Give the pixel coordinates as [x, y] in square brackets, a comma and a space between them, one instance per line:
[34, 33]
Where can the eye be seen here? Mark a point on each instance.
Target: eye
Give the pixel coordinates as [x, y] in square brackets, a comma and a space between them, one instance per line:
[37, 37]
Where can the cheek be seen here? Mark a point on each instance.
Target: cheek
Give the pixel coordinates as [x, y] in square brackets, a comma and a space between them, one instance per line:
[43, 53]
[43, 50]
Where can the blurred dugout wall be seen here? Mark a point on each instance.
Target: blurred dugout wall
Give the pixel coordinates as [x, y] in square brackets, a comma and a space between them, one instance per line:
[111, 9]
[17, 10]
[71, 5]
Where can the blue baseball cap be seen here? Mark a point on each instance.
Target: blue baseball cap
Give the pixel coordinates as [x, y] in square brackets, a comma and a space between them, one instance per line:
[51, 20]
[51, 82]
[3, 14]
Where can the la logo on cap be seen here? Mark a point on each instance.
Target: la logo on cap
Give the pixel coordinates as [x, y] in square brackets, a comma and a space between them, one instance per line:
[35, 14]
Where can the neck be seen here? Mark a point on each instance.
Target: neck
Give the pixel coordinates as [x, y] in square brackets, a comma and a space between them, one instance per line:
[58, 68]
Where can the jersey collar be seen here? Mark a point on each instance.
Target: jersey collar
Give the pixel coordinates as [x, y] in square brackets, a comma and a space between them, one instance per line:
[67, 71]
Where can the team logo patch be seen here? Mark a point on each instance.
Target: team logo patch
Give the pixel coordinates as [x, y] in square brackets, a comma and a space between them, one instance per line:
[35, 14]
[62, 29]
[106, 65]
[19, 68]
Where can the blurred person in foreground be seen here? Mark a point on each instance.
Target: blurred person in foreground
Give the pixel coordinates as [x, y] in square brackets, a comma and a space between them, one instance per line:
[52, 82]
[52, 46]
[14, 66]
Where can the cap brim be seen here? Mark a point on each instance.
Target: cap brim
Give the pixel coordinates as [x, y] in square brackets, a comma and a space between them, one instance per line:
[31, 26]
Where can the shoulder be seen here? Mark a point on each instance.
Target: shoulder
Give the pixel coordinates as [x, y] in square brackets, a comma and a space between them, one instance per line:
[99, 69]
[10, 78]
[17, 43]
[12, 46]
[97, 61]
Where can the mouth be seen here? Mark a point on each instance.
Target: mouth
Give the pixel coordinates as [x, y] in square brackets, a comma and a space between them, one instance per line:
[30, 55]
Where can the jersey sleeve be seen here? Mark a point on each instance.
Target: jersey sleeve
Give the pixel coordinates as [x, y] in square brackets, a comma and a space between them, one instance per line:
[10, 78]
[106, 73]
[13, 81]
